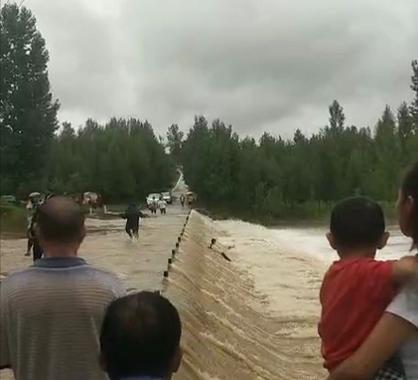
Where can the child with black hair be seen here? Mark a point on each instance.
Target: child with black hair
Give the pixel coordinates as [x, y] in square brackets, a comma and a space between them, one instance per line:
[140, 338]
[357, 289]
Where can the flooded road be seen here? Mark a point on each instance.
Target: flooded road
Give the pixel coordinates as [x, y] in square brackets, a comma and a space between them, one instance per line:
[249, 305]
[140, 264]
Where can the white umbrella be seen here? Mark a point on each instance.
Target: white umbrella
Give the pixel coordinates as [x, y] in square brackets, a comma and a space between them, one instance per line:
[34, 194]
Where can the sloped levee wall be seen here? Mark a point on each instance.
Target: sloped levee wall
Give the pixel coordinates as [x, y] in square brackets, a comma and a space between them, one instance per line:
[227, 331]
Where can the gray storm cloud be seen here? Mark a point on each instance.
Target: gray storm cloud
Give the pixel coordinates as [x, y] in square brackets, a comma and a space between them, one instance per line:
[258, 64]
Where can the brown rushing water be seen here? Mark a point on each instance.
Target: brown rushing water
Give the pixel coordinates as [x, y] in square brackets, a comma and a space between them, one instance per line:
[231, 328]
[140, 264]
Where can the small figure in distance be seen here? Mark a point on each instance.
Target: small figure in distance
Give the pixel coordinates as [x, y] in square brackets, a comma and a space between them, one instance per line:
[33, 236]
[132, 216]
[182, 200]
[31, 207]
[212, 243]
[154, 206]
[140, 338]
[357, 289]
[162, 205]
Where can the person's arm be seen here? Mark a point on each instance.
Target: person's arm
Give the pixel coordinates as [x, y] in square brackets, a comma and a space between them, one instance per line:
[405, 269]
[388, 335]
[141, 214]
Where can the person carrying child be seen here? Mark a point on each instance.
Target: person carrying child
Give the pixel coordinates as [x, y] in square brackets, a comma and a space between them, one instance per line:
[357, 289]
[397, 330]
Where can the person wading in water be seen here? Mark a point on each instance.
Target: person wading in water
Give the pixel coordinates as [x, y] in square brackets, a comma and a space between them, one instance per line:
[132, 215]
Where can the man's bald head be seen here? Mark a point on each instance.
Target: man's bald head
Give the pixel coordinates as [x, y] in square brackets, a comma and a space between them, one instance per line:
[61, 220]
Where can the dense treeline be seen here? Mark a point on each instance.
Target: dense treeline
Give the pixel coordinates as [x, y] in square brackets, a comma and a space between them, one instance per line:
[122, 160]
[274, 177]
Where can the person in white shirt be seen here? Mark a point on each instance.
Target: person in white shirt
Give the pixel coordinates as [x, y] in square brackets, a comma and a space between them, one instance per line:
[162, 205]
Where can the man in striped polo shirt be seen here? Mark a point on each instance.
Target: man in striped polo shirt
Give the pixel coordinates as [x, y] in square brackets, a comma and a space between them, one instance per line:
[51, 313]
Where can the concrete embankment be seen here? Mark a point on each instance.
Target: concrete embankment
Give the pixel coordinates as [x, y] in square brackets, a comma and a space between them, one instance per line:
[228, 330]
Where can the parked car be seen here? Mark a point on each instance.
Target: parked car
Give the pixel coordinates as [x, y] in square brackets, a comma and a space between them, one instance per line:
[166, 195]
[151, 197]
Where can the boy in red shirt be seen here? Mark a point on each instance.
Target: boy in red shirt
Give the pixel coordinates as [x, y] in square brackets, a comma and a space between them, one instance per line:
[357, 289]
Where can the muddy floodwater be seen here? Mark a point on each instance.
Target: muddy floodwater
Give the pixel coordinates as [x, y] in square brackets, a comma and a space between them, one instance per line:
[140, 264]
[249, 305]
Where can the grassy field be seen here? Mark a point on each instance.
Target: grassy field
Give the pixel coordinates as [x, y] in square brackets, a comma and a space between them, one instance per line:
[13, 222]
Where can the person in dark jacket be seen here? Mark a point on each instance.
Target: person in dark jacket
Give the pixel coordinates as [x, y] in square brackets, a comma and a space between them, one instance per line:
[132, 215]
[32, 235]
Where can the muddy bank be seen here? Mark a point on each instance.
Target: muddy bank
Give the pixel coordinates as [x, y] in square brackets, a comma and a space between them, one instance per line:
[231, 330]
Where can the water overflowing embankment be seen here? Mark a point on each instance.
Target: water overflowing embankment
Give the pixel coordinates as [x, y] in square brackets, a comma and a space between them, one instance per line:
[230, 331]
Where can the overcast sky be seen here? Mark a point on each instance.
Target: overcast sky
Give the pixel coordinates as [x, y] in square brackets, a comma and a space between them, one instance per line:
[259, 65]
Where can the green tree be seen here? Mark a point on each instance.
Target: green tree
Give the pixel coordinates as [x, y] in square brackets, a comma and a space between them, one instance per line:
[123, 160]
[275, 178]
[175, 141]
[405, 124]
[388, 156]
[27, 110]
[386, 127]
[337, 117]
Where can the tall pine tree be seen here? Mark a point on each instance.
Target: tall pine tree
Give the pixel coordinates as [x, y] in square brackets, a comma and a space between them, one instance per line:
[337, 117]
[27, 110]
[405, 124]
[175, 141]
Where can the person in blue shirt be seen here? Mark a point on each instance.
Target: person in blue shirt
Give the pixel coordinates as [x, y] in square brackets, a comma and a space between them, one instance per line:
[140, 338]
